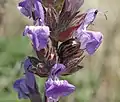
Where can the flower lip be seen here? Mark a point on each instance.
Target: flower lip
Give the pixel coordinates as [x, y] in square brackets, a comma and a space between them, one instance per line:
[59, 88]
[94, 43]
[39, 36]
[90, 40]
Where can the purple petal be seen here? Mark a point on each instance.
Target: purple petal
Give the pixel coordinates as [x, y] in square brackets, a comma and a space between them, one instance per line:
[59, 88]
[21, 88]
[39, 36]
[39, 12]
[30, 78]
[94, 42]
[28, 7]
[90, 40]
[24, 11]
[57, 69]
[25, 8]
[90, 17]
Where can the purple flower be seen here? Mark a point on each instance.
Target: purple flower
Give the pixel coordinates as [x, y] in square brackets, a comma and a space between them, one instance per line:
[39, 36]
[27, 85]
[90, 40]
[56, 88]
[32, 8]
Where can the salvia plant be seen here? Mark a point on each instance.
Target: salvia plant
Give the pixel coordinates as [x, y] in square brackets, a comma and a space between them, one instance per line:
[60, 39]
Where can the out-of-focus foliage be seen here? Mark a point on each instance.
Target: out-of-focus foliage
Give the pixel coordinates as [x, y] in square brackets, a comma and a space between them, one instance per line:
[99, 81]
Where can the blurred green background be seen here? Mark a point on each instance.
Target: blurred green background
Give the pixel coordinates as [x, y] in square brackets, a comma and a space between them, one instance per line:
[99, 81]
